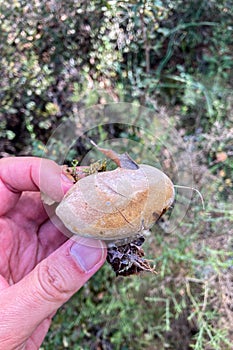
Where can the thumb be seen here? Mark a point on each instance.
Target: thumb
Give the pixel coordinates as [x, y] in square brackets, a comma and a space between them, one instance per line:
[53, 281]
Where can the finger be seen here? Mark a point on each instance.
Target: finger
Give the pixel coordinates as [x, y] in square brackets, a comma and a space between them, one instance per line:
[30, 174]
[31, 209]
[50, 238]
[3, 283]
[8, 197]
[36, 339]
[54, 280]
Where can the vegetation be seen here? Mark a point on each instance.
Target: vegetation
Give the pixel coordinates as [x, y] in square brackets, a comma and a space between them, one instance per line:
[59, 58]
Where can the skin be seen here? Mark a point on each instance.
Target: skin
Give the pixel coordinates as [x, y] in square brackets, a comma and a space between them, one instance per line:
[40, 269]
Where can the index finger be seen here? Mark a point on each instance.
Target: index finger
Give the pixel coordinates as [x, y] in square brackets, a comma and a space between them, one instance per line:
[18, 174]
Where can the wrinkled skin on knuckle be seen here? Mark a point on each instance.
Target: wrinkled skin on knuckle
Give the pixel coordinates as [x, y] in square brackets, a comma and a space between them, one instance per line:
[52, 283]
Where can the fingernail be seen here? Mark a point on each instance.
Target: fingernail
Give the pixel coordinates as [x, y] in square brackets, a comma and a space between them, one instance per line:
[87, 253]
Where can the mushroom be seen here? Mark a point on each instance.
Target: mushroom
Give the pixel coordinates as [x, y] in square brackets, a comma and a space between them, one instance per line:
[117, 206]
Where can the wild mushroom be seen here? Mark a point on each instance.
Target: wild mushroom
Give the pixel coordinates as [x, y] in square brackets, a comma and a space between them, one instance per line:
[117, 206]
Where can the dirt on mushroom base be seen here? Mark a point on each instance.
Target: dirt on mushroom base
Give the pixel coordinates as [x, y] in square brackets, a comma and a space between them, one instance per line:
[128, 259]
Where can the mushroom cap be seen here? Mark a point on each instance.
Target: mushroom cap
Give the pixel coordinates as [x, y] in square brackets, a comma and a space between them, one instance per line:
[116, 204]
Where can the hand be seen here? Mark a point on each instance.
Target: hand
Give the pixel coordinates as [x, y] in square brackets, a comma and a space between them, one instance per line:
[40, 269]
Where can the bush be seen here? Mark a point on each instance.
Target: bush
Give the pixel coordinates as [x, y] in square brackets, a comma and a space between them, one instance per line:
[58, 57]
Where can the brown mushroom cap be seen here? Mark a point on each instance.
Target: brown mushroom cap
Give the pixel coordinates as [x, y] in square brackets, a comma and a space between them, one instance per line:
[116, 204]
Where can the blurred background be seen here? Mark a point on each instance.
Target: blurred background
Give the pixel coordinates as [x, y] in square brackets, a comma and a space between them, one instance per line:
[175, 58]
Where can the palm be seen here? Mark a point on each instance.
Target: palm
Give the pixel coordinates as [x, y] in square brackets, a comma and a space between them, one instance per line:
[27, 236]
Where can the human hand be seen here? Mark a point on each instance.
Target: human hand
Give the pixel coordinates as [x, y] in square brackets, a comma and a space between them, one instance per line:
[40, 269]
